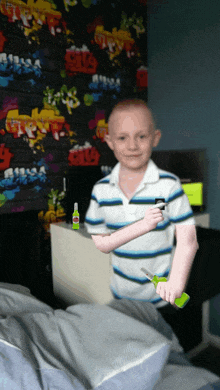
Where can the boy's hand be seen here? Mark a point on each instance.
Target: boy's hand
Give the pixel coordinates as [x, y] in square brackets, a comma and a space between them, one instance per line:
[169, 291]
[153, 217]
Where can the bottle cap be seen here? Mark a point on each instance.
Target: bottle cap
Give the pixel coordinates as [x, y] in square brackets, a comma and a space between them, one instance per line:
[76, 206]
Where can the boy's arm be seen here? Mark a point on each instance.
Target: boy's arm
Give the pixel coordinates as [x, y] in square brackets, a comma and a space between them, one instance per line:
[108, 242]
[184, 255]
[185, 252]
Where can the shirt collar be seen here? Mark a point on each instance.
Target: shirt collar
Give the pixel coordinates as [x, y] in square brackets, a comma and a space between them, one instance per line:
[151, 174]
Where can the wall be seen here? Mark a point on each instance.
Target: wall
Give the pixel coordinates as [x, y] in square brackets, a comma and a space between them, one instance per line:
[184, 88]
[63, 64]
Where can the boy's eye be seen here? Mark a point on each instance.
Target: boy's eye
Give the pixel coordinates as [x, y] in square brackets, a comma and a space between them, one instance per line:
[122, 137]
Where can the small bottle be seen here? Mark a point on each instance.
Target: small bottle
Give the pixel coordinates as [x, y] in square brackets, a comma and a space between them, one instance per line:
[75, 217]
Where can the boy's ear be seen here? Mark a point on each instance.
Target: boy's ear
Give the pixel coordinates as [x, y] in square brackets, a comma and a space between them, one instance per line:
[157, 138]
[108, 140]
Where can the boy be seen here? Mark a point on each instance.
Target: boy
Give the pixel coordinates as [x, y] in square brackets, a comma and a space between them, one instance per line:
[124, 196]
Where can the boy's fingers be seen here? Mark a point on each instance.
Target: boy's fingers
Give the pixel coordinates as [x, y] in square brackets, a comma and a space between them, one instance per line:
[158, 205]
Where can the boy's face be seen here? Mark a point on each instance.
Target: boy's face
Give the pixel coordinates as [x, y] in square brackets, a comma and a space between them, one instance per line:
[132, 137]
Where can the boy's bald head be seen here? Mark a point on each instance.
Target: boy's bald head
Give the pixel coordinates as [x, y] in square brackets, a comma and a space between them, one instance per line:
[127, 105]
[132, 134]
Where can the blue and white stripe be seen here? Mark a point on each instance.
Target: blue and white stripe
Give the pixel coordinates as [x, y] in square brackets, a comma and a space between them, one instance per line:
[110, 210]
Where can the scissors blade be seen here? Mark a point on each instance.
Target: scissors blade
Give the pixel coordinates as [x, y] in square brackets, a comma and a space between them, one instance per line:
[147, 273]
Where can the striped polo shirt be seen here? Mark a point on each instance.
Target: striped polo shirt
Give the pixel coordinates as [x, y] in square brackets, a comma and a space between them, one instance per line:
[109, 210]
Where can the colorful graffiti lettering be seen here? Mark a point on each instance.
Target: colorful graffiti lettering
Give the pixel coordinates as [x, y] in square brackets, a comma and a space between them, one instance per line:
[65, 96]
[22, 176]
[33, 15]
[115, 41]
[5, 157]
[83, 155]
[45, 121]
[71, 100]
[15, 178]
[80, 60]
[11, 65]
[103, 83]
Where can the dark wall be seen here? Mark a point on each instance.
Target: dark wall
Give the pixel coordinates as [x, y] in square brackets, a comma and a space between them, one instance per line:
[184, 85]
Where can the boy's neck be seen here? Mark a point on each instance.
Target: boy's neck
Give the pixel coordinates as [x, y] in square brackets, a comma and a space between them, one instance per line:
[132, 172]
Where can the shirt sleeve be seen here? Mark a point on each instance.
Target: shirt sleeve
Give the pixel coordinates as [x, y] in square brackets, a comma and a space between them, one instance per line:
[180, 211]
[94, 219]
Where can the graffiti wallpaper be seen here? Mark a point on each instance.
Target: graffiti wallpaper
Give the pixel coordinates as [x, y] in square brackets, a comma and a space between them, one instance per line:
[63, 65]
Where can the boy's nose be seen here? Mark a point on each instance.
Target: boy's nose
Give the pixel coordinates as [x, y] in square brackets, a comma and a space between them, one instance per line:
[132, 144]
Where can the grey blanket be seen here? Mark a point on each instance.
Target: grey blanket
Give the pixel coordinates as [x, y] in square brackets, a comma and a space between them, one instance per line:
[90, 346]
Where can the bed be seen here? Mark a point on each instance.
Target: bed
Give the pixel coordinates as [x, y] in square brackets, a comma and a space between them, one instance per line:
[122, 345]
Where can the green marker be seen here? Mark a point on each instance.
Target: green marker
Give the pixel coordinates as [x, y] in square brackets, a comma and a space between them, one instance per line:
[180, 302]
[75, 217]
